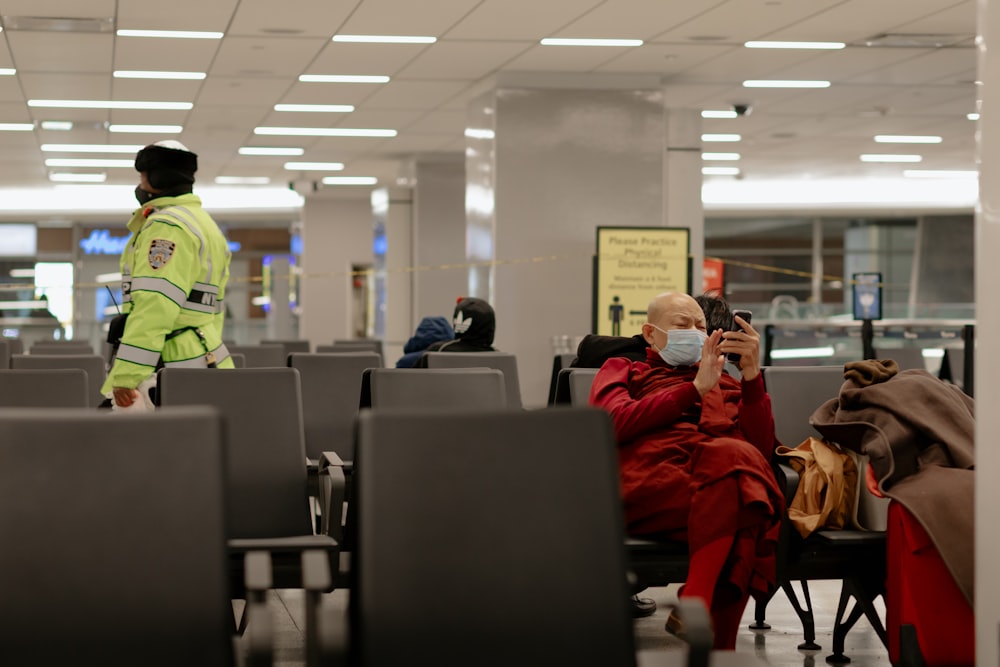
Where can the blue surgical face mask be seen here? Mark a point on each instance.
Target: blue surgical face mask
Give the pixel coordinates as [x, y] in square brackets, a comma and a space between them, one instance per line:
[683, 346]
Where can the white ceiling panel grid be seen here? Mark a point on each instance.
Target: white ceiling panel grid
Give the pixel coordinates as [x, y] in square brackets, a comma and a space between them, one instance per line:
[519, 19]
[265, 56]
[377, 59]
[172, 55]
[463, 59]
[293, 18]
[93, 9]
[60, 52]
[391, 17]
[413, 94]
[176, 15]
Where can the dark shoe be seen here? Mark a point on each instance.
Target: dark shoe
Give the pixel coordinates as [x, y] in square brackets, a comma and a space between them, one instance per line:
[642, 607]
[675, 626]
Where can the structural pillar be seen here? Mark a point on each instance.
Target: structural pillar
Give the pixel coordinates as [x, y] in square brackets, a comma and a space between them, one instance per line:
[682, 184]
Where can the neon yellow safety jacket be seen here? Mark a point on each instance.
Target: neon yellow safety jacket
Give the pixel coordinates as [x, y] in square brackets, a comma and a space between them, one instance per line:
[174, 273]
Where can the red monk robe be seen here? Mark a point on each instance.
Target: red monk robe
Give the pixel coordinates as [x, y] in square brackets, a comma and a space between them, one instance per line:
[697, 469]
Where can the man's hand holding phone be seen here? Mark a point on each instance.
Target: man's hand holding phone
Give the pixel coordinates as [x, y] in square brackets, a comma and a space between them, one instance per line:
[742, 344]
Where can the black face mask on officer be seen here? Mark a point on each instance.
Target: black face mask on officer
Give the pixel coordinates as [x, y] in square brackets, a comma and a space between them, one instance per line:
[143, 196]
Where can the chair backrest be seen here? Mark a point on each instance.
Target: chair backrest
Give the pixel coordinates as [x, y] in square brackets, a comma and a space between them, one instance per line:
[560, 362]
[22, 388]
[16, 345]
[907, 357]
[504, 361]
[796, 392]
[573, 386]
[61, 347]
[446, 516]
[91, 363]
[428, 388]
[289, 345]
[239, 359]
[331, 390]
[953, 366]
[344, 346]
[261, 356]
[266, 459]
[113, 541]
[4, 353]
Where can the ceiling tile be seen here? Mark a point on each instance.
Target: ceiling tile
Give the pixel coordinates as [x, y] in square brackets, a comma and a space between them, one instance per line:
[441, 122]
[378, 59]
[633, 19]
[509, 19]
[241, 91]
[961, 18]
[143, 89]
[10, 90]
[60, 52]
[52, 86]
[391, 17]
[565, 58]
[666, 59]
[60, 8]
[737, 21]
[176, 15]
[462, 59]
[853, 20]
[187, 55]
[933, 64]
[265, 56]
[330, 93]
[297, 17]
[414, 94]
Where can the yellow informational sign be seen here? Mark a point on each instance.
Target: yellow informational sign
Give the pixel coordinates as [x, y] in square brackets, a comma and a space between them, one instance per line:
[632, 265]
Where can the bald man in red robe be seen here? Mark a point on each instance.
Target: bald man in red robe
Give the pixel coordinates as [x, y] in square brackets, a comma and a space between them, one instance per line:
[694, 446]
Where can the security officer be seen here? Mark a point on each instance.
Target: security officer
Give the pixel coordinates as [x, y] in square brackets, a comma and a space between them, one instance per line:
[174, 273]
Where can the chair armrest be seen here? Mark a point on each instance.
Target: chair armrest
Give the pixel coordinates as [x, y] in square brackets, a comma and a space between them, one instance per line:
[332, 494]
[326, 641]
[787, 478]
[259, 637]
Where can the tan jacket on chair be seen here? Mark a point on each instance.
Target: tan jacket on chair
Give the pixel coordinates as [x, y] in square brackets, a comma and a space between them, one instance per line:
[827, 491]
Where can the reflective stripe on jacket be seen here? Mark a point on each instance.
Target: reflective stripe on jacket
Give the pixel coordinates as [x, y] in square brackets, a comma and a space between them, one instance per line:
[174, 273]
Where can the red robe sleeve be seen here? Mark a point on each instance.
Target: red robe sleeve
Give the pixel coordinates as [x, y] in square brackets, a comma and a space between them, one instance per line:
[634, 417]
[756, 420]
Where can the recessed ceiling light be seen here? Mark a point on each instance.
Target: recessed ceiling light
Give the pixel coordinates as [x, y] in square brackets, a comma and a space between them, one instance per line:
[314, 166]
[729, 157]
[7, 71]
[17, 127]
[143, 74]
[793, 45]
[558, 41]
[386, 39]
[721, 137]
[69, 177]
[315, 108]
[350, 180]
[778, 83]
[110, 104]
[342, 78]
[88, 162]
[873, 157]
[89, 148]
[323, 132]
[480, 133]
[906, 139]
[242, 180]
[58, 125]
[270, 150]
[171, 34]
[146, 129]
[940, 173]
[972, 116]
[720, 171]
[719, 113]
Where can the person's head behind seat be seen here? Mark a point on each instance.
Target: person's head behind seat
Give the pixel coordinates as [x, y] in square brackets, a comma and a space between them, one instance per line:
[718, 315]
[475, 321]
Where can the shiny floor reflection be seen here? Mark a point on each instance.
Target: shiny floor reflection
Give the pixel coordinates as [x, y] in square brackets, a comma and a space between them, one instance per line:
[776, 647]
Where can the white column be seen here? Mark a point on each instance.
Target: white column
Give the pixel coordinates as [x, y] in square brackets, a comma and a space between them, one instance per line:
[987, 324]
[682, 184]
[336, 234]
[398, 314]
[438, 237]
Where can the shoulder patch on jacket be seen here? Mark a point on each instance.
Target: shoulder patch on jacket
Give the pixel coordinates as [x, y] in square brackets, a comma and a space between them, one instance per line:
[160, 252]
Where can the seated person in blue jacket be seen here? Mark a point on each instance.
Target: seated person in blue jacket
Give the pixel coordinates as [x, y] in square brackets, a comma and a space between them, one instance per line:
[430, 330]
[475, 324]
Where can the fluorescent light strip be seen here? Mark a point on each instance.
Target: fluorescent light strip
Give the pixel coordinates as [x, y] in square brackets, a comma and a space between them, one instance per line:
[940, 173]
[22, 273]
[350, 180]
[110, 104]
[322, 132]
[721, 137]
[67, 177]
[315, 108]
[57, 125]
[342, 78]
[314, 166]
[89, 148]
[803, 353]
[271, 150]
[88, 162]
[559, 41]
[171, 34]
[718, 113]
[972, 116]
[242, 180]
[17, 127]
[7, 71]
[720, 156]
[720, 171]
[146, 129]
[779, 83]
[142, 74]
[794, 45]
[873, 157]
[386, 39]
[108, 277]
[479, 133]
[906, 139]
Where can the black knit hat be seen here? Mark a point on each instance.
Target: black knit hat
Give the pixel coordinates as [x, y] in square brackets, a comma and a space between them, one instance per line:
[167, 164]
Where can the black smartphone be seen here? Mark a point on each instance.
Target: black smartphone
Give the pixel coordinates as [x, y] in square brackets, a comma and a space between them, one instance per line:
[746, 315]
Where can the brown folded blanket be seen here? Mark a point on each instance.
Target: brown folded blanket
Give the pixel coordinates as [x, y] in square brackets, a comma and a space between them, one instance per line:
[871, 371]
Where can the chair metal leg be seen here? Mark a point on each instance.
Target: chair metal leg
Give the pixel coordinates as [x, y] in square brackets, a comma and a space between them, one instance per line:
[864, 591]
[805, 615]
[760, 614]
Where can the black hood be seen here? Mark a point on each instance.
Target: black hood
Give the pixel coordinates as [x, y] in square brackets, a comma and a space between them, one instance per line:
[474, 321]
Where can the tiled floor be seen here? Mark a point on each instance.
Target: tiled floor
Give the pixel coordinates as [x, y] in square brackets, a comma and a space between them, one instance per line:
[776, 647]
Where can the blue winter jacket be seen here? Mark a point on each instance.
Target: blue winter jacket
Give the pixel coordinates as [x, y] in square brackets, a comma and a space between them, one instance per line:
[430, 330]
